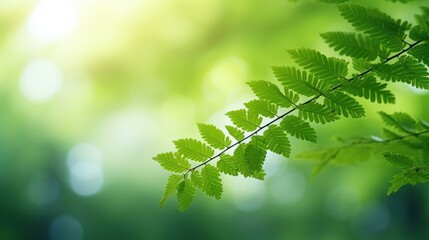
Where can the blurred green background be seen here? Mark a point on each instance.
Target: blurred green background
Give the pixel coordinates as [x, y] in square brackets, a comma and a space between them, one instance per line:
[91, 90]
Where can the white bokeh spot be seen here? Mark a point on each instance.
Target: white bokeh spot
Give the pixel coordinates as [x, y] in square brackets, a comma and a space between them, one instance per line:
[51, 20]
[41, 80]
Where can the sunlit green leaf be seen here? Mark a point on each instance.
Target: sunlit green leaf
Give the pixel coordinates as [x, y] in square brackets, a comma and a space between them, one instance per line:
[214, 136]
[194, 149]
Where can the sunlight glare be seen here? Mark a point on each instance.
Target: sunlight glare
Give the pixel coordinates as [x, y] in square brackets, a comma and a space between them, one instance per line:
[51, 20]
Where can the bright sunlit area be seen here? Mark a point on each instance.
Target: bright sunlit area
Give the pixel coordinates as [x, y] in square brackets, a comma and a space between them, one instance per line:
[92, 90]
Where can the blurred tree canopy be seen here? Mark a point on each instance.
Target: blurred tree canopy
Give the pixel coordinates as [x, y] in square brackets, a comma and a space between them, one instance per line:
[91, 90]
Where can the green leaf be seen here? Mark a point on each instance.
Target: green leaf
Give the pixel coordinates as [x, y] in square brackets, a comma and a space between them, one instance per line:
[293, 97]
[196, 179]
[399, 120]
[298, 128]
[240, 161]
[245, 120]
[214, 136]
[299, 81]
[212, 185]
[417, 33]
[262, 107]
[317, 113]
[277, 140]
[352, 45]
[327, 69]
[185, 194]
[361, 65]
[194, 149]
[236, 133]
[377, 25]
[344, 104]
[399, 161]
[407, 70]
[255, 154]
[170, 188]
[270, 93]
[421, 52]
[398, 181]
[370, 89]
[227, 165]
[172, 162]
[243, 165]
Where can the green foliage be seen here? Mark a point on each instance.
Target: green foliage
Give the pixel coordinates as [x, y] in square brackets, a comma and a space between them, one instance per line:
[421, 52]
[255, 154]
[271, 93]
[298, 128]
[227, 165]
[408, 137]
[411, 171]
[185, 194]
[329, 69]
[377, 25]
[319, 90]
[172, 162]
[352, 45]
[214, 136]
[193, 149]
[299, 81]
[277, 140]
[212, 185]
[344, 104]
[246, 120]
[369, 88]
[262, 108]
[407, 70]
[401, 121]
[317, 113]
[235, 132]
[171, 187]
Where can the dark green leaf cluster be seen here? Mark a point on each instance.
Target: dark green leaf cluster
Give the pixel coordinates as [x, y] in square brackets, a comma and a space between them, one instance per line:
[320, 89]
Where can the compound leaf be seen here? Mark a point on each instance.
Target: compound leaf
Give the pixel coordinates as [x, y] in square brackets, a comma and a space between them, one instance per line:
[370, 89]
[327, 69]
[407, 70]
[299, 81]
[399, 120]
[298, 128]
[172, 162]
[194, 149]
[262, 107]
[214, 136]
[255, 154]
[344, 104]
[185, 194]
[376, 24]
[212, 184]
[352, 45]
[170, 188]
[317, 113]
[227, 165]
[246, 120]
[277, 140]
[269, 92]
[236, 133]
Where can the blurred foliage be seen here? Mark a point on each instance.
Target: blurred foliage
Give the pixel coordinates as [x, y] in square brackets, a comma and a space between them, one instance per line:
[125, 77]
